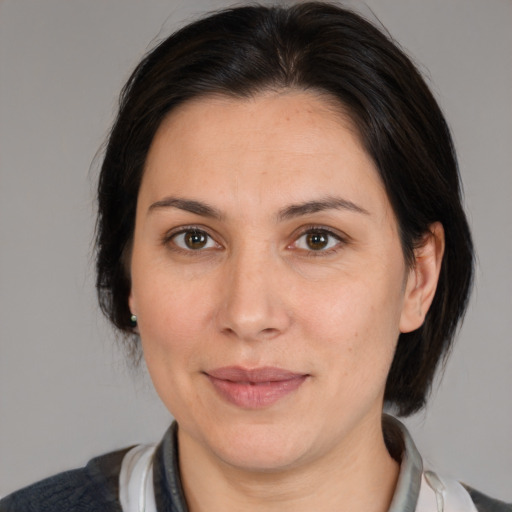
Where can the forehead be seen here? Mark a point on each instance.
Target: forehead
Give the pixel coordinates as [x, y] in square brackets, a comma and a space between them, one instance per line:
[298, 117]
[274, 145]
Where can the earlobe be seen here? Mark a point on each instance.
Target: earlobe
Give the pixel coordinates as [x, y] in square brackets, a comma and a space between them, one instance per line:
[423, 278]
[133, 313]
[131, 304]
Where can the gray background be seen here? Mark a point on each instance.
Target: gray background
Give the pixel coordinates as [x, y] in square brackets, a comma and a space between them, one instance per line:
[66, 393]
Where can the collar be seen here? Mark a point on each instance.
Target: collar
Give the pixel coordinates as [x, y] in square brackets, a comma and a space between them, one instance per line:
[169, 494]
[408, 485]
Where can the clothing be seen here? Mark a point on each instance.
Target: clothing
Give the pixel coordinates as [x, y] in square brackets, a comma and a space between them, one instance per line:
[147, 478]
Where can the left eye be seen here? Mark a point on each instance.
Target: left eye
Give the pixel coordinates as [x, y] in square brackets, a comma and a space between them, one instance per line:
[318, 240]
[194, 240]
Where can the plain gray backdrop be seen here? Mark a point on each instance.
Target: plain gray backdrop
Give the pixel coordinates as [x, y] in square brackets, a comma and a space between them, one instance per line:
[66, 393]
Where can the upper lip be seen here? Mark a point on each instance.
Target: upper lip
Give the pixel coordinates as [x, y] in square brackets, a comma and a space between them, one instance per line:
[262, 374]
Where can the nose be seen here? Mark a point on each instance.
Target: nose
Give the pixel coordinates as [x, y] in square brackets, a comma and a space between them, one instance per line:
[252, 306]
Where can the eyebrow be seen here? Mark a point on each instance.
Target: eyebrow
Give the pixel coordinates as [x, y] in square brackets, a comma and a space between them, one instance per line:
[289, 212]
[328, 203]
[188, 205]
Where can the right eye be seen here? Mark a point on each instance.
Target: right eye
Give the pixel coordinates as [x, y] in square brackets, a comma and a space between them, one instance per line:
[193, 240]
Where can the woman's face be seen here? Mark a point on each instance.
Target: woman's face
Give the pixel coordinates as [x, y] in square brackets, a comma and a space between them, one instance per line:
[268, 279]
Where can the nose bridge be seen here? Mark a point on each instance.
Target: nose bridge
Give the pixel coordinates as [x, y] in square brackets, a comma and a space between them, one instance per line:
[252, 306]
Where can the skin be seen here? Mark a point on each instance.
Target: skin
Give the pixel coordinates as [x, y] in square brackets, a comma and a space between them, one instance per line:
[258, 293]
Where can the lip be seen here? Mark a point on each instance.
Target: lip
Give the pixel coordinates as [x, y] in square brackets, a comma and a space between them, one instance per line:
[254, 388]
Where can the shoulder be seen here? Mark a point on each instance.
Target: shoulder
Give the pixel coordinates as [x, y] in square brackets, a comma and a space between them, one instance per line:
[92, 488]
[484, 503]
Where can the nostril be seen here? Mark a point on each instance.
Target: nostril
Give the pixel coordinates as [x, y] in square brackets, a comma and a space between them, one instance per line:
[269, 333]
[228, 331]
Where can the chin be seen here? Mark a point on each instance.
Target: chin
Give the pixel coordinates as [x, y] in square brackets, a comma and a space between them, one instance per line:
[259, 447]
[263, 459]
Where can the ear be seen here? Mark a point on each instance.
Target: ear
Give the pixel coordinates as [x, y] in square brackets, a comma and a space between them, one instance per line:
[131, 304]
[422, 279]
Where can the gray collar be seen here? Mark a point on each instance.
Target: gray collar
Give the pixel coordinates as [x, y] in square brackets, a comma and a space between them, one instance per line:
[406, 493]
[408, 485]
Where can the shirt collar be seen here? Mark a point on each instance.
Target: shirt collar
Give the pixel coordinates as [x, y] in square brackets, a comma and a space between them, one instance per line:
[408, 485]
[169, 491]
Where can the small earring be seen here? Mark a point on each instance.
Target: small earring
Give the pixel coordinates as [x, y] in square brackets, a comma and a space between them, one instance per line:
[133, 320]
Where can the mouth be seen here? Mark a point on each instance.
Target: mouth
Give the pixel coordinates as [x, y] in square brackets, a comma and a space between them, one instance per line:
[255, 388]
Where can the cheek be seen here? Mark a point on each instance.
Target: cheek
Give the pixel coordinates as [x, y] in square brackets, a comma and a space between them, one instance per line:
[352, 308]
[173, 326]
[173, 314]
[356, 329]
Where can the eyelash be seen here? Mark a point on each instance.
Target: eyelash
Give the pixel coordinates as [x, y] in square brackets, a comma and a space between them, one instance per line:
[167, 240]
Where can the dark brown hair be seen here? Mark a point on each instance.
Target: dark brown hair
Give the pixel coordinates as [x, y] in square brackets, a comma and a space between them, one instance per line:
[325, 49]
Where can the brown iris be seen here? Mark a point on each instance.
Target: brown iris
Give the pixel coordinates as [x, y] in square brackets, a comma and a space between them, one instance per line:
[317, 241]
[195, 239]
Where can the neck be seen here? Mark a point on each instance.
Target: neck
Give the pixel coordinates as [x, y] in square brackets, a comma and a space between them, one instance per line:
[357, 475]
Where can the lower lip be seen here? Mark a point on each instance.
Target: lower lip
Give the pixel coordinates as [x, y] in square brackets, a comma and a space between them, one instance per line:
[256, 395]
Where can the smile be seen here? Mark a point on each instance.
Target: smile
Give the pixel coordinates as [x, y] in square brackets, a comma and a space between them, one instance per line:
[256, 388]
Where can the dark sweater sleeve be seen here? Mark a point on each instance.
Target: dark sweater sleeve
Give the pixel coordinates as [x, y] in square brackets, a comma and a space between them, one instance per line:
[92, 488]
[484, 503]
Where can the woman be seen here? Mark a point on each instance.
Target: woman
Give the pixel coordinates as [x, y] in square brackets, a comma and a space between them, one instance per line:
[280, 225]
